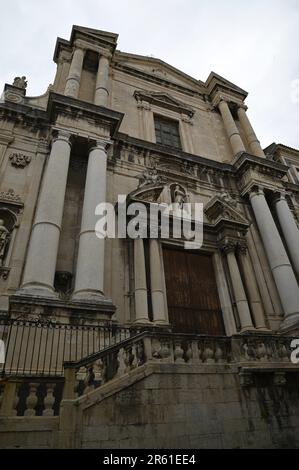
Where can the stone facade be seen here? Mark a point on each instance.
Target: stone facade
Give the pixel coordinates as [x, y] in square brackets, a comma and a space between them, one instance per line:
[88, 139]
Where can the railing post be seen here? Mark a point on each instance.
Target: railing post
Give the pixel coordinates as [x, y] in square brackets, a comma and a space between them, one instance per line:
[147, 344]
[69, 384]
[8, 399]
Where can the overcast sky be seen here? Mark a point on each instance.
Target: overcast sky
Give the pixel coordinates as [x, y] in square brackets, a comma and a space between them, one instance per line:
[254, 44]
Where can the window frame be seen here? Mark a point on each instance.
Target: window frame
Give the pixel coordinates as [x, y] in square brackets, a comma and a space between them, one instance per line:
[176, 124]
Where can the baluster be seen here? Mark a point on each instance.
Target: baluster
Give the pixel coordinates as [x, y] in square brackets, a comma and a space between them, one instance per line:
[178, 353]
[16, 400]
[121, 359]
[81, 374]
[200, 347]
[165, 351]
[189, 353]
[195, 349]
[134, 362]
[31, 400]
[49, 400]
[156, 349]
[261, 352]
[283, 353]
[208, 355]
[218, 354]
[98, 370]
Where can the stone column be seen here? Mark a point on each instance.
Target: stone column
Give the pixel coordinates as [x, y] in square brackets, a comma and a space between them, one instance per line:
[238, 288]
[231, 128]
[89, 284]
[251, 137]
[141, 306]
[73, 80]
[278, 259]
[41, 259]
[157, 283]
[102, 91]
[289, 229]
[252, 289]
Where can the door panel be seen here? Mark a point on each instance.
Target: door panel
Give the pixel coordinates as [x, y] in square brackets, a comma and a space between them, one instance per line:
[192, 296]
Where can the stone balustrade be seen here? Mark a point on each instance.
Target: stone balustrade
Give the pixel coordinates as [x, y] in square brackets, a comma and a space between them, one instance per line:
[30, 397]
[245, 355]
[243, 352]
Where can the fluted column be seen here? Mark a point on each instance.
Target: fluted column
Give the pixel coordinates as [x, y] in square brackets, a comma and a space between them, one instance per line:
[238, 288]
[231, 128]
[157, 282]
[89, 284]
[252, 289]
[102, 87]
[141, 306]
[278, 259]
[251, 137]
[41, 259]
[73, 80]
[289, 229]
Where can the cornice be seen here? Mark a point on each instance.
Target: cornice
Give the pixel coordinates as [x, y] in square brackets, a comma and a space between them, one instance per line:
[163, 100]
[61, 103]
[140, 144]
[25, 115]
[159, 80]
[245, 160]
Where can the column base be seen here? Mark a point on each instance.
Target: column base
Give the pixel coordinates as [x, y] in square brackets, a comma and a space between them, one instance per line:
[142, 321]
[90, 297]
[34, 290]
[291, 322]
[160, 323]
[247, 329]
[263, 329]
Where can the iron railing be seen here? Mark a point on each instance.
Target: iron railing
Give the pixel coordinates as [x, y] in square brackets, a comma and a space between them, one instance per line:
[41, 347]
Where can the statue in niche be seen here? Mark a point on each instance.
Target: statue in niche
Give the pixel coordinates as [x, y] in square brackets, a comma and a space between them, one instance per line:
[179, 196]
[20, 82]
[4, 241]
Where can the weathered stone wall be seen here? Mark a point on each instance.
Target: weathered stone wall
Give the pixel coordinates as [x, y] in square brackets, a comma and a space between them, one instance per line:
[173, 409]
[28, 433]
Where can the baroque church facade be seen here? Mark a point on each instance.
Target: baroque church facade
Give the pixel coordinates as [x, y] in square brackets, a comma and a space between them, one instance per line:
[140, 342]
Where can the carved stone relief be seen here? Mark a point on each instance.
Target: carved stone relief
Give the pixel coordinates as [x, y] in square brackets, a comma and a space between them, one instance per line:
[19, 160]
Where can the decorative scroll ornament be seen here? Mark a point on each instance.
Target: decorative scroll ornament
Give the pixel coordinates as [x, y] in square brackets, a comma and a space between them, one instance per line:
[19, 160]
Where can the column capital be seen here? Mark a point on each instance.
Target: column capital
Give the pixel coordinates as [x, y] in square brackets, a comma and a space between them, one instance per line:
[101, 144]
[63, 135]
[242, 247]
[105, 53]
[228, 246]
[78, 45]
[256, 190]
[242, 107]
[279, 196]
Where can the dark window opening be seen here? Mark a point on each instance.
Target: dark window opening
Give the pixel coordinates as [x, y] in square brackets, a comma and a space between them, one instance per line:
[167, 132]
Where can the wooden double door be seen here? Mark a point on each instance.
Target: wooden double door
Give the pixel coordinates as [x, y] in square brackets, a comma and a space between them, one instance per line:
[192, 295]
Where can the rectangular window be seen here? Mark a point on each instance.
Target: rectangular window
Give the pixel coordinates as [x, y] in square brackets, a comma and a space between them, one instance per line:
[167, 132]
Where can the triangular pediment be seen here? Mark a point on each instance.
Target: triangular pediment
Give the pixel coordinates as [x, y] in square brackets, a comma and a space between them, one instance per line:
[164, 100]
[224, 208]
[158, 68]
[95, 34]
